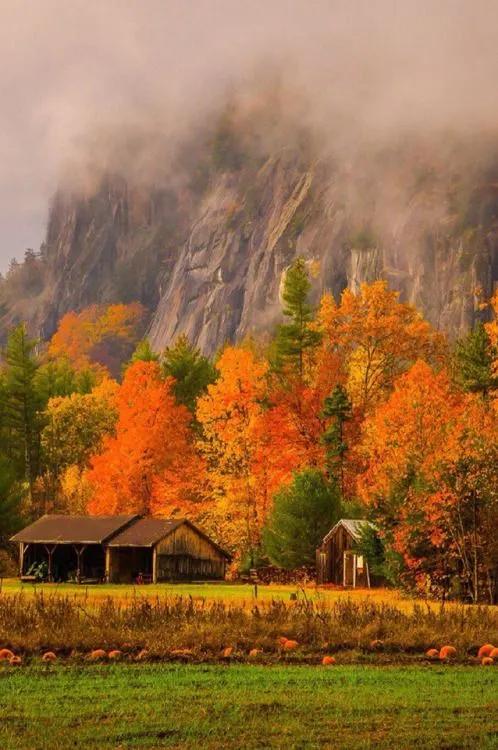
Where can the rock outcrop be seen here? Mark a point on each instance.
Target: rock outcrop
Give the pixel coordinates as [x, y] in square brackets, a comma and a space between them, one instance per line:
[207, 256]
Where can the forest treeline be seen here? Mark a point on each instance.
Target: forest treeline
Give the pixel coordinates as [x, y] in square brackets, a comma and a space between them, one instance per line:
[356, 408]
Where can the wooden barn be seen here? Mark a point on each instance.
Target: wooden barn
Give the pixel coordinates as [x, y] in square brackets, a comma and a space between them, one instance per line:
[92, 549]
[336, 559]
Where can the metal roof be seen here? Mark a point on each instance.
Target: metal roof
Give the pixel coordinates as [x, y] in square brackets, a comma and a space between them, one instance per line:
[145, 532]
[59, 529]
[354, 526]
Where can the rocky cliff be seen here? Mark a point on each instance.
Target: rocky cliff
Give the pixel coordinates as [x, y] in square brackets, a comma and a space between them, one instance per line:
[206, 253]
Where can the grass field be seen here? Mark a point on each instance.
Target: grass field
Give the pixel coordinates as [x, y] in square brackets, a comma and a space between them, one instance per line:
[237, 706]
[229, 592]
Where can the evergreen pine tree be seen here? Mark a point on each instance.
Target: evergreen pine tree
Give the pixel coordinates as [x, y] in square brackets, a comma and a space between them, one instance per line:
[338, 406]
[191, 370]
[21, 404]
[296, 337]
[474, 362]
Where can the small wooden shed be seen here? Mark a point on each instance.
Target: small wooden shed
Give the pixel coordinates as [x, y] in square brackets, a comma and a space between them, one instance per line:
[118, 549]
[336, 560]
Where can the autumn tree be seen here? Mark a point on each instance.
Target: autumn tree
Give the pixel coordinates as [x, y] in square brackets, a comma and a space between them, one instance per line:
[230, 415]
[75, 427]
[431, 452]
[380, 338]
[148, 466]
[99, 336]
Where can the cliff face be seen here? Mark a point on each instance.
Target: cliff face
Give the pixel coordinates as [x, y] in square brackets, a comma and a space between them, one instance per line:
[206, 255]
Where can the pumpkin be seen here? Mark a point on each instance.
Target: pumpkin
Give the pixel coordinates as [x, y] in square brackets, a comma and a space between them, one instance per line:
[15, 661]
[290, 645]
[377, 644]
[115, 654]
[282, 640]
[49, 656]
[447, 652]
[485, 650]
[432, 653]
[328, 660]
[97, 654]
[6, 654]
[227, 652]
[494, 653]
[254, 652]
[487, 661]
[142, 655]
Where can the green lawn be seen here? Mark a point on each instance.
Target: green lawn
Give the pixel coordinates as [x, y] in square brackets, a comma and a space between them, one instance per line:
[236, 706]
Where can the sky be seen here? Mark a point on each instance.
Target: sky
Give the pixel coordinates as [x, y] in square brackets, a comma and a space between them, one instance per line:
[70, 68]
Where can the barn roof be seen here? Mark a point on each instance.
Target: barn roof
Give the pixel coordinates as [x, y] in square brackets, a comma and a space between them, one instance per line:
[145, 532]
[149, 531]
[354, 526]
[60, 529]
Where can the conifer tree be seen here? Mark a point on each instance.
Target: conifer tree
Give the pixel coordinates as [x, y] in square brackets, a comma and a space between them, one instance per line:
[337, 406]
[192, 371]
[474, 357]
[297, 337]
[21, 403]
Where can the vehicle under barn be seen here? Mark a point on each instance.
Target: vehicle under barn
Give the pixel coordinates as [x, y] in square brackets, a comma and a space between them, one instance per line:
[92, 549]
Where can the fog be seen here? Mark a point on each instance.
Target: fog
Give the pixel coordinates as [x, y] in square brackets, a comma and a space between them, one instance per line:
[73, 74]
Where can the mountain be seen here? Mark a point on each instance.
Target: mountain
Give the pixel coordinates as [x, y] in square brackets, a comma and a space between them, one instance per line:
[205, 245]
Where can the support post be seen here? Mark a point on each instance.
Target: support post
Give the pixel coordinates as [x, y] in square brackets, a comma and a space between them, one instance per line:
[79, 554]
[368, 574]
[107, 564]
[354, 570]
[21, 559]
[154, 565]
[344, 558]
[50, 551]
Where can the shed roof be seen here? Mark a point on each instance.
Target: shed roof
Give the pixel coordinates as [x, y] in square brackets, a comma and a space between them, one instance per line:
[353, 526]
[149, 531]
[60, 529]
[145, 532]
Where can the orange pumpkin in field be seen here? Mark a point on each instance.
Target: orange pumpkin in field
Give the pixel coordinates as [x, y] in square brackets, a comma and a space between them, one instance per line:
[6, 654]
[290, 645]
[377, 644]
[15, 661]
[282, 640]
[142, 655]
[328, 660]
[49, 656]
[487, 661]
[97, 654]
[254, 652]
[494, 653]
[115, 654]
[447, 652]
[432, 653]
[485, 650]
[227, 652]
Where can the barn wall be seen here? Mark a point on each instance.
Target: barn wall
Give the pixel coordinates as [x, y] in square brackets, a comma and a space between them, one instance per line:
[185, 540]
[187, 554]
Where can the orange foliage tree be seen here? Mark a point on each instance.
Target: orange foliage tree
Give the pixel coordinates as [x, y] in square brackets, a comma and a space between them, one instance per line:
[149, 466]
[241, 447]
[431, 453]
[98, 335]
[379, 338]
